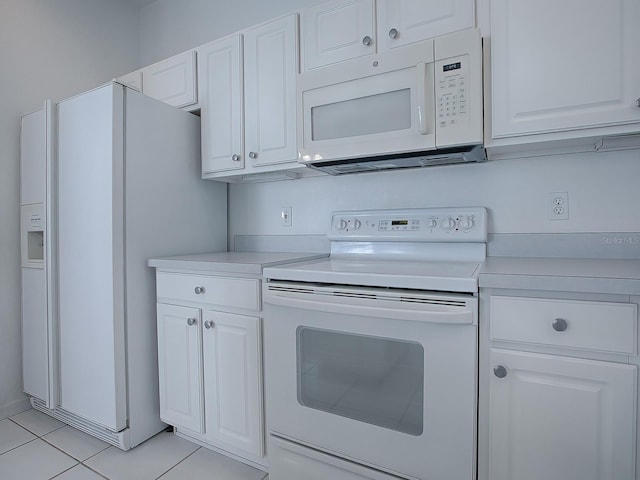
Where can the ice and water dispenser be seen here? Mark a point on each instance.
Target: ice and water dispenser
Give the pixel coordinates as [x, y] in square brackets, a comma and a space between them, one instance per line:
[32, 223]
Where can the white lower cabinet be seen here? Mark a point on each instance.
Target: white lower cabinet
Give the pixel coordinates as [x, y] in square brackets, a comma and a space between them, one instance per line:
[230, 345]
[180, 366]
[558, 389]
[210, 362]
[563, 418]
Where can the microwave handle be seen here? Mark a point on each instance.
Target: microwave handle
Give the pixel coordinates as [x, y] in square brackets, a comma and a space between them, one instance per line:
[421, 98]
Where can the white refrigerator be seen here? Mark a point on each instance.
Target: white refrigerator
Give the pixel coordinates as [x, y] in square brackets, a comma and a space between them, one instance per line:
[123, 185]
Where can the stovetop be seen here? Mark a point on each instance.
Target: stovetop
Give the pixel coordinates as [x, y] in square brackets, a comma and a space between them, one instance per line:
[428, 249]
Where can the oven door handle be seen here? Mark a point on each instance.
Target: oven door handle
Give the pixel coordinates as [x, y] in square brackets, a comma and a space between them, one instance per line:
[456, 315]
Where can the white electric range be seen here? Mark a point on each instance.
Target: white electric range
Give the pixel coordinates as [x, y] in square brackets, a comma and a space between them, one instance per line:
[371, 354]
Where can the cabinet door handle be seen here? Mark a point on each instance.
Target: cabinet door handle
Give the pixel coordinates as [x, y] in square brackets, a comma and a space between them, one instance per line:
[559, 324]
[191, 321]
[367, 40]
[235, 157]
[499, 371]
[209, 324]
[394, 33]
[199, 290]
[253, 155]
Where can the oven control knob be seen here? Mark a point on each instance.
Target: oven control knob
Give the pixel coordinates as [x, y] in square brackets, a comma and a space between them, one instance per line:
[467, 223]
[341, 224]
[448, 224]
[432, 223]
[356, 224]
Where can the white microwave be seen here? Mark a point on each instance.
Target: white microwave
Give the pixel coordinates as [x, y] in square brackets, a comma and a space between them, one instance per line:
[418, 105]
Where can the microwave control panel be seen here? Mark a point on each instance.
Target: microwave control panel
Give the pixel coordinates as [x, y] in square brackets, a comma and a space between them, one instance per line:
[458, 89]
[451, 91]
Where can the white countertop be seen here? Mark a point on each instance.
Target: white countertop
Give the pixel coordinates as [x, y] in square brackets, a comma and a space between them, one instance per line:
[231, 262]
[572, 275]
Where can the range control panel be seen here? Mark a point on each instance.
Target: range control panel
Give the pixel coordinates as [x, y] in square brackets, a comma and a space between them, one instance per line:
[465, 224]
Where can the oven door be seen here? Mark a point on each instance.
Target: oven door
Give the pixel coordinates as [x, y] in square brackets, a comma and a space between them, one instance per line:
[381, 377]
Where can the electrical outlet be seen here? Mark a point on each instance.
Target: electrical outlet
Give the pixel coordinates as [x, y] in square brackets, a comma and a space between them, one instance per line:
[285, 217]
[558, 206]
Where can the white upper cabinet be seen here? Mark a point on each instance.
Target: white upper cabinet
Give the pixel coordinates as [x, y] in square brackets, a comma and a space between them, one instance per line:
[560, 66]
[220, 80]
[248, 98]
[339, 30]
[132, 80]
[401, 22]
[271, 66]
[173, 80]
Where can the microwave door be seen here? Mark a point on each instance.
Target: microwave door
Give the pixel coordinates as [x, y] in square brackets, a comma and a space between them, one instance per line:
[386, 113]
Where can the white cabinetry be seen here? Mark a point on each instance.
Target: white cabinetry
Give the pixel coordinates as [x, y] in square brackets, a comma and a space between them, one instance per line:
[339, 30]
[561, 389]
[209, 361]
[248, 97]
[571, 66]
[173, 80]
[180, 366]
[132, 80]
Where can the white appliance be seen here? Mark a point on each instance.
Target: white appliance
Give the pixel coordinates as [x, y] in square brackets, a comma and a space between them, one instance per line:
[35, 154]
[123, 185]
[371, 354]
[415, 106]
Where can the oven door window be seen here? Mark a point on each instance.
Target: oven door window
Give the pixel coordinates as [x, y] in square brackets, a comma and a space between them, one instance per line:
[375, 380]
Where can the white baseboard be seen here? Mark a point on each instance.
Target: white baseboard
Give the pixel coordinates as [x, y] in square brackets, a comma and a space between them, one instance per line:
[14, 408]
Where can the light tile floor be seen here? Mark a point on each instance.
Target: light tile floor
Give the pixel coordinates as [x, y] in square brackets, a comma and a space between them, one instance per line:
[34, 446]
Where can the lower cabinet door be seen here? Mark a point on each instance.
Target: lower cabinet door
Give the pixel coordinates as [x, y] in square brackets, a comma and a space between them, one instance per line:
[180, 366]
[561, 418]
[232, 382]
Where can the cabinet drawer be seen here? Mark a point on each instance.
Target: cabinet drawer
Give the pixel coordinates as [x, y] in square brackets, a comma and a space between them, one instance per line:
[232, 292]
[601, 326]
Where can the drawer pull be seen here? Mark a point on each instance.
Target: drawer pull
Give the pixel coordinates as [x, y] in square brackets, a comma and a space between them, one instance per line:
[199, 290]
[191, 321]
[499, 371]
[209, 324]
[559, 324]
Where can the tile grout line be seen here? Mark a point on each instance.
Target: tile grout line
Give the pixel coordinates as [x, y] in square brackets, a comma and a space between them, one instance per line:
[78, 461]
[174, 466]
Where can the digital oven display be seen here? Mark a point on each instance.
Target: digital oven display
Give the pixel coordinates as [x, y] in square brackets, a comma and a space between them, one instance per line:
[399, 222]
[451, 66]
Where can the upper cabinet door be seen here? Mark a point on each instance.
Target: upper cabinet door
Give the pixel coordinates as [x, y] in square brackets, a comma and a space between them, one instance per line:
[401, 22]
[337, 30]
[564, 65]
[271, 67]
[173, 80]
[220, 80]
[132, 80]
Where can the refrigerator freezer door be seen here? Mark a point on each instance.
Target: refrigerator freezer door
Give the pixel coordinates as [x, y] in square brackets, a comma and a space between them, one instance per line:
[90, 257]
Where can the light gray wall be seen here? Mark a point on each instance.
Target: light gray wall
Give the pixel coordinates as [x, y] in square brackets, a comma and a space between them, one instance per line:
[603, 195]
[47, 50]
